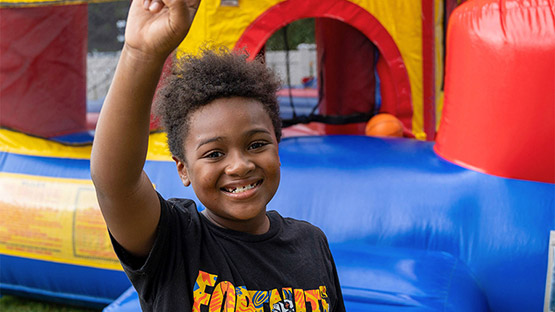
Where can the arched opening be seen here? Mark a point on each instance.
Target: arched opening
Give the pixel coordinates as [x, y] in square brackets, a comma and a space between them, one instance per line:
[395, 86]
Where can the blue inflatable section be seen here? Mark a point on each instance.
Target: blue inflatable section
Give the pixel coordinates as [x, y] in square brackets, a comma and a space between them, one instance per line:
[399, 193]
[64, 283]
[397, 279]
[409, 230]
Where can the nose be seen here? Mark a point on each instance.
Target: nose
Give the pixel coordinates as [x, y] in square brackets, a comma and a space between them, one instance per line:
[238, 164]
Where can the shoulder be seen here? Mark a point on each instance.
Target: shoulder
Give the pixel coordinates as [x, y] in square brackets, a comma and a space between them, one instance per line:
[302, 228]
[178, 210]
[180, 204]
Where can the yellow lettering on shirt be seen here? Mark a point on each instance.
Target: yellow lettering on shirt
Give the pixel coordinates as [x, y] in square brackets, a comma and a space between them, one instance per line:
[223, 291]
[258, 298]
[199, 291]
[313, 297]
[300, 303]
[225, 297]
[244, 303]
[324, 298]
[274, 297]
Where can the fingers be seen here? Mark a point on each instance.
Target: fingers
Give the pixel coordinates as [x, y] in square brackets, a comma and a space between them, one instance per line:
[156, 6]
[153, 6]
[179, 17]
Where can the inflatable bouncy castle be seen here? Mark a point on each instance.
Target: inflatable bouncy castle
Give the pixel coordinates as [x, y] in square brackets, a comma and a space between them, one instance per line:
[461, 223]
[356, 40]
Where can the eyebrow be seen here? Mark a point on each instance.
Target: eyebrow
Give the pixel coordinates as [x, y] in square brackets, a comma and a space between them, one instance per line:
[209, 140]
[219, 138]
[257, 130]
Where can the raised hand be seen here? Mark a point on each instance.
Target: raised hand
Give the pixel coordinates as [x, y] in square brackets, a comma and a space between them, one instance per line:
[155, 28]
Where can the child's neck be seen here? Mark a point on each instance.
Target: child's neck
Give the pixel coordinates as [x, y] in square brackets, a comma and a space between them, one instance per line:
[260, 225]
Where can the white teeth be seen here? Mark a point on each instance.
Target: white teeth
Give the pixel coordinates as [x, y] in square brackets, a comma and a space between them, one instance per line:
[242, 188]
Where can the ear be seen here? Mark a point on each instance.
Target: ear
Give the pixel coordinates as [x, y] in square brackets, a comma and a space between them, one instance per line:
[182, 171]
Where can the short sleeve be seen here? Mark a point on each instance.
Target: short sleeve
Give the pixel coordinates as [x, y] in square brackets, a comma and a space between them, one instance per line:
[172, 220]
[174, 235]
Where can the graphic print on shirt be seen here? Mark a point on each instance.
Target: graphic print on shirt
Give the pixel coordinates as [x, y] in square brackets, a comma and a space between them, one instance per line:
[286, 305]
[210, 296]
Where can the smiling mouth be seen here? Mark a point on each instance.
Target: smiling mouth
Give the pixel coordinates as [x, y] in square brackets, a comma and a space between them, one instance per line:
[241, 189]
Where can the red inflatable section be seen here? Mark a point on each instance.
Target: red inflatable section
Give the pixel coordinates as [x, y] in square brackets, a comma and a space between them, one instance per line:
[395, 85]
[43, 69]
[344, 90]
[499, 113]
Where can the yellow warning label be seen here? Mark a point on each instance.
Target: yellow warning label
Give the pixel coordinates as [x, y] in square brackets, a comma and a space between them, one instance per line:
[53, 219]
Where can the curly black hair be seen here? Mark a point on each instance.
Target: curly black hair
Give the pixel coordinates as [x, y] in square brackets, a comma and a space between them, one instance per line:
[197, 80]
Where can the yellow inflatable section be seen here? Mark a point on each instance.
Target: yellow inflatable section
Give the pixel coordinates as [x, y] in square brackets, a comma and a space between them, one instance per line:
[19, 143]
[416, 27]
[61, 222]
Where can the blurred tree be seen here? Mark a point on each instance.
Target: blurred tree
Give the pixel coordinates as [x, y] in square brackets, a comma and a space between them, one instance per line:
[297, 32]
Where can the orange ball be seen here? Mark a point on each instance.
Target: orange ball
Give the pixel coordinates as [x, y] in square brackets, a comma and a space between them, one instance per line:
[384, 125]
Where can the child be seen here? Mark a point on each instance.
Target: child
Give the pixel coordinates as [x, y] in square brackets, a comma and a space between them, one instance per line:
[221, 115]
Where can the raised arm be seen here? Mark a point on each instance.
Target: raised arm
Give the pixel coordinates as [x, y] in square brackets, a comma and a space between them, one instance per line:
[126, 196]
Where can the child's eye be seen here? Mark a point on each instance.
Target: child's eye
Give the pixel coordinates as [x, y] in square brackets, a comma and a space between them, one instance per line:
[214, 154]
[256, 145]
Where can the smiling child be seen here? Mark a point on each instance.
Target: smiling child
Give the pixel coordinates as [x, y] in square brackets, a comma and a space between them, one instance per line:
[222, 118]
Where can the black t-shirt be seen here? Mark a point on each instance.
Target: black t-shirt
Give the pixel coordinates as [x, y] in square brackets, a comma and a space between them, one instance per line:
[195, 265]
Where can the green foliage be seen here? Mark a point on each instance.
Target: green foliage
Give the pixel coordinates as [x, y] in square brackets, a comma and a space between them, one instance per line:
[16, 304]
[300, 31]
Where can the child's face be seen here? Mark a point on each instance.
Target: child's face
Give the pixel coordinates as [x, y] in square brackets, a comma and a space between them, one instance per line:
[232, 161]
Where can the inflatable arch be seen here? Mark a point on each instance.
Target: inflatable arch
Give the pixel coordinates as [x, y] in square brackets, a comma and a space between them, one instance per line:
[411, 61]
[395, 89]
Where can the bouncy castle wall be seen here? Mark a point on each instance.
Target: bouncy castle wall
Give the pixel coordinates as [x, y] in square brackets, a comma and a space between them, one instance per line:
[43, 69]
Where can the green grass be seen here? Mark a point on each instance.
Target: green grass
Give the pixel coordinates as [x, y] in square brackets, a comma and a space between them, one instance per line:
[17, 304]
